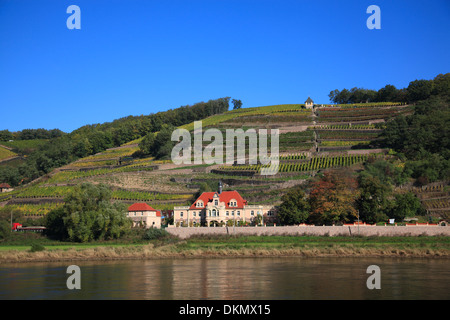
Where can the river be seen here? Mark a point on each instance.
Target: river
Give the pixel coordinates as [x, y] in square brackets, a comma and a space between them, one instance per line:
[281, 278]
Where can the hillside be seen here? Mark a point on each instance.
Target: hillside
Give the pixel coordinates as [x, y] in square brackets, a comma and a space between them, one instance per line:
[311, 141]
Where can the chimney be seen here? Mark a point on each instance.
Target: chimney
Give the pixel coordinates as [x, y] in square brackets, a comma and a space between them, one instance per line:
[220, 187]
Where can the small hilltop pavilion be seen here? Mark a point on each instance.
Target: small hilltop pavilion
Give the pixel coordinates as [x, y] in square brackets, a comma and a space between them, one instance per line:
[309, 103]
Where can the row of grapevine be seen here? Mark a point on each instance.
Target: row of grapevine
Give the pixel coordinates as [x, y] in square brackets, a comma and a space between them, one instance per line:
[33, 209]
[296, 156]
[146, 196]
[347, 135]
[344, 127]
[437, 203]
[371, 104]
[342, 143]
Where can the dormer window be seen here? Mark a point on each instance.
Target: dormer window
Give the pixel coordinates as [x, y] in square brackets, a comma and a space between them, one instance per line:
[199, 204]
[233, 203]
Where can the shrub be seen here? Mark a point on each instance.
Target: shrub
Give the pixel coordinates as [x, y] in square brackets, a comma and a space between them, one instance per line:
[154, 233]
[35, 247]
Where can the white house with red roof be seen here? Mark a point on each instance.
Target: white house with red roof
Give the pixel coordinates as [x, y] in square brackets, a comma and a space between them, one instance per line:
[4, 187]
[144, 215]
[219, 208]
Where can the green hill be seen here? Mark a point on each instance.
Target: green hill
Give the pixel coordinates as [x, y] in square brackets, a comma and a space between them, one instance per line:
[404, 146]
[162, 184]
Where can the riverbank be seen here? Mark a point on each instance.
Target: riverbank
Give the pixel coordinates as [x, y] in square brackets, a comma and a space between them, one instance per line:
[242, 246]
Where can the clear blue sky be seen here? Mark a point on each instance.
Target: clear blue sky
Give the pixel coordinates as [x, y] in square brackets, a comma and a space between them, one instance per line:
[137, 57]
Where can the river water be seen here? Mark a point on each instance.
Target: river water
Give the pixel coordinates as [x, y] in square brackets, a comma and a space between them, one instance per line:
[281, 278]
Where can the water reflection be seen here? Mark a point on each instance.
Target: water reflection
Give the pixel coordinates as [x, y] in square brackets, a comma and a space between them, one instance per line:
[230, 279]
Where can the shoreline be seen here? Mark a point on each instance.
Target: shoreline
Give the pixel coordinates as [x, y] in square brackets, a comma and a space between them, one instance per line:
[149, 252]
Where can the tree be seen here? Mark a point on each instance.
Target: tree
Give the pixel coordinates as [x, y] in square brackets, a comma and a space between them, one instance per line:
[88, 214]
[5, 135]
[372, 202]
[294, 208]
[406, 205]
[333, 95]
[332, 199]
[387, 94]
[419, 90]
[237, 104]
[146, 144]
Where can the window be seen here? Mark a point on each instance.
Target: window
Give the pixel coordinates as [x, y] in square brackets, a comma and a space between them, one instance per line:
[252, 213]
[181, 214]
[194, 214]
[228, 213]
[238, 213]
[199, 204]
[232, 213]
[216, 202]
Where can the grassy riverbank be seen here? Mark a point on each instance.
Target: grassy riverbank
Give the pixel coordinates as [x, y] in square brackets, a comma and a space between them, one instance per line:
[243, 246]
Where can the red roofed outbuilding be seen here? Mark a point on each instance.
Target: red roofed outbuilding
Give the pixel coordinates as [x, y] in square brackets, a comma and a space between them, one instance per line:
[144, 215]
[4, 187]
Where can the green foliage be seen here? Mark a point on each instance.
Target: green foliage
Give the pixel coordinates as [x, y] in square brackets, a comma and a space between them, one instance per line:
[155, 233]
[387, 172]
[5, 230]
[36, 247]
[160, 145]
[237, 104]
[87, 215]
[417, 90]
[373, 201]
[294, 208]
[406, 205]
[424, 139]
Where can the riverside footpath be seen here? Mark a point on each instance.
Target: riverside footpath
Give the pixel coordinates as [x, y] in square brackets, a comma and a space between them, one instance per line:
[309, 230]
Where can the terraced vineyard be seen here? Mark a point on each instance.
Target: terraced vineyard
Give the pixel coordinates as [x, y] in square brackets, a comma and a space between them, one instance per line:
[304, 165]
[360, 114]
[275, 113]
[5, 153]
[435, 199]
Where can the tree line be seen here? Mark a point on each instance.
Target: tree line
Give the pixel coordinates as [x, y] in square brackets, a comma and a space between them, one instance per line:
[91, 139]
[417, 90]
[30, 134]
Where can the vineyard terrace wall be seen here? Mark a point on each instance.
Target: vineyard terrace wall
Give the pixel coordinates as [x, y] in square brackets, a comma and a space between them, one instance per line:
[353, 230]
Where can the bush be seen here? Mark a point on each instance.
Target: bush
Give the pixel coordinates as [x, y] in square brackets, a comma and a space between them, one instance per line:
[154, 233]
[35, 247]
[5, 230]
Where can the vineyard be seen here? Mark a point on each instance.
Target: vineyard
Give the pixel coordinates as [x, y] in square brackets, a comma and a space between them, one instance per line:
[358, 114]
[311, 164]
[277, 112]
[343, 143]
[344, 127]
[34, 210]
[5, 153]
[347, 135]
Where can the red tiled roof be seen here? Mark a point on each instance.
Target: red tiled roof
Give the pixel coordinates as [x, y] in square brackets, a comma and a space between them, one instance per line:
[5, 185]
[142, 207]
[225, 196]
